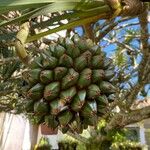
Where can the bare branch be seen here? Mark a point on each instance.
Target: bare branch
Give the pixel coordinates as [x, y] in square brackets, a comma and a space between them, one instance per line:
[121, 119]
[143, 19]
[144, 65]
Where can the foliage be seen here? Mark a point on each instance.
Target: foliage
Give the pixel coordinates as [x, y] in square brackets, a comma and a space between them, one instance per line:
[128, 145]
[67, 144]
[119, 141]
[43, 144]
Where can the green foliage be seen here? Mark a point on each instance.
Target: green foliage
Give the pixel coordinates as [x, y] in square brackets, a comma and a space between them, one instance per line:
[10, 79]
[67, 145]
[80, 12]
[128, 145]
[43, 144]
[120, 57]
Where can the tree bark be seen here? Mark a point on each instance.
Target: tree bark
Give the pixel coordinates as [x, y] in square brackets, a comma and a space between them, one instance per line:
[122, 119]
[33, 135]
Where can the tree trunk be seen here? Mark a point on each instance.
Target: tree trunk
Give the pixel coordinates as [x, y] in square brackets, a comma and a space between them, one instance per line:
[33, 135]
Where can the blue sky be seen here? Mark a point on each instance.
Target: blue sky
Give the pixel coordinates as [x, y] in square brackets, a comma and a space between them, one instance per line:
[112, 47]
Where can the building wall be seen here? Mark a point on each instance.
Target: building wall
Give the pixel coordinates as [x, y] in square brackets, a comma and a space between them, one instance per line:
[13, 132]
[16, 134]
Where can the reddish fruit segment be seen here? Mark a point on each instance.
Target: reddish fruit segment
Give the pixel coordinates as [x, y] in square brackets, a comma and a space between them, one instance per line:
[51, 91]
[107, 87]
[96, 50]
[78, 101]
[46, 76]
[97, 75]
[89, 109]
[85, 78]
[58, 51]
[93, 91]
[49, 62]
[57, 106]
[60, 72]
[68, 95]
[70, 79]
[41, 107]
[36, 92]
[66, 61]
[97, 61]
[71, 49]
[65, 117]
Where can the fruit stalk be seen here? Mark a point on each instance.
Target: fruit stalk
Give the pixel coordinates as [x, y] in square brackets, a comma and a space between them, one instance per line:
[20, 43]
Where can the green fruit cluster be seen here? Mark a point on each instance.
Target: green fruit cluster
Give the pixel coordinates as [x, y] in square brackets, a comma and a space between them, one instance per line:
[69, 84]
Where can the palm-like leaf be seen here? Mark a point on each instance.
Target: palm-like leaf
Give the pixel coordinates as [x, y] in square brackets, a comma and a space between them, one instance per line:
[82, 18]
[42, 8]
[80, 12]
[9, 5]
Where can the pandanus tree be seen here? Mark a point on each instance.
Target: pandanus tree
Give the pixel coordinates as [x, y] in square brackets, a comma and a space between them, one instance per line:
[70, 83]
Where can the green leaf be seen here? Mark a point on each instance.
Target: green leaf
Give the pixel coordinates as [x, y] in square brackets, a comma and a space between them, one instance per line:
[50, 8]
[19, 19]
[120, 57]
[9, 5]
[7, 36]
[7, 8]
[55, 7]
[72, 24]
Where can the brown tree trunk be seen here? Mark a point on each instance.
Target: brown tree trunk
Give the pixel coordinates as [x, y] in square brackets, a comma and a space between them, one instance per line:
[33, 135]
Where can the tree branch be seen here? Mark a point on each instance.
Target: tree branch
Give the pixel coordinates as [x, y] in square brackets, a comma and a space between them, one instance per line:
[20, 43]
[121, 119]
[144, 68]
[145, 48]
